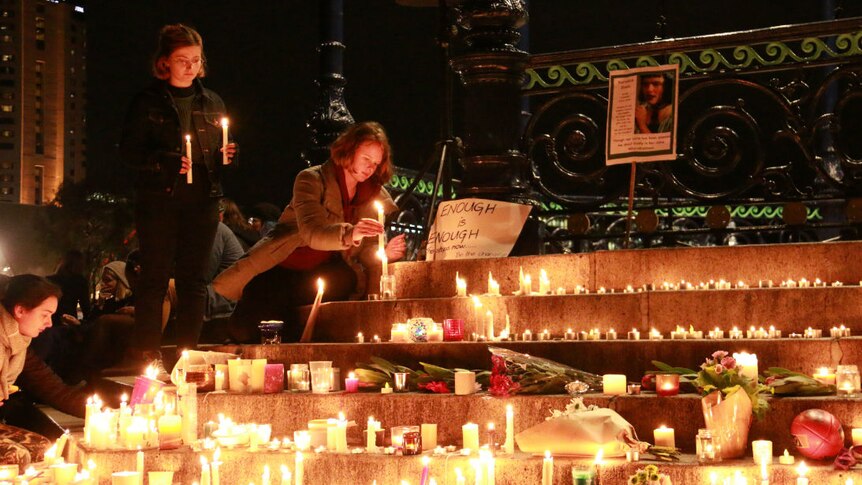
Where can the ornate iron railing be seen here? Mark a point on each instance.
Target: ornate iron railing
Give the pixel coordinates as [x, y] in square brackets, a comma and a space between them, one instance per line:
[767, 117]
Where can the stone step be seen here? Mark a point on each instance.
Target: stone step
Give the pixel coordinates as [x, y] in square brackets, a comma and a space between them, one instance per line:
[241, 467]
[836, 261]
[289, 411]
[630, 357]
[791, 310]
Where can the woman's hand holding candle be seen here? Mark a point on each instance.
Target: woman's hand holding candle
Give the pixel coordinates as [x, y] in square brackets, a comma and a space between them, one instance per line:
[366, 228]
[230, 150]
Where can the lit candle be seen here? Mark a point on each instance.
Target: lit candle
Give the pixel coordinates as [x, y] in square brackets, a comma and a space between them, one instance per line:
[634, 334]
[655, 335]
[381, 238]
[747, 364]
[857, 436]
[360, 338]
[351, 383]
[509, 444]
[801, 471]
[219, 378]
[386, 389]
[478, 316]
[569, 335]
[424, 478]
[764, 474]
[459, 477]
[170, 432]
[264, 478]
[544, 283]
[527, 335]
[489, 326]
[493, 286]
[285, 475]
[205, 471]
[825, 376]
[611, 335]
[470, 433]
[786, 458]
[664, 436]
[614, 384]
[548, 469]
[189, 156]
[341, 434]
[381, 253]
[460, 285]
[528, 285]
[667, 384]
[139, 466]
[398, 333]
[214, 476]
[298, 468]
[761, 450]
[224, 141]
[371, 435]
[435, 333]
[258, 374]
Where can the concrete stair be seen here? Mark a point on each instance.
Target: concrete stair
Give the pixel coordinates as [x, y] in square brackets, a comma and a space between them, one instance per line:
[427, 290]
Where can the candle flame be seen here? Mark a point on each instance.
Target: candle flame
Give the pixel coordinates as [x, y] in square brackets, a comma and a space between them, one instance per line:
[224, 122]
[285, 473]
[188, 138]
[802, 469]
[381, 254]
[426, 460]
[150, 372]
[378, 205]
[547, 454]
[476, 302]
[600, 457]
[320, 285]
[123, 398]
[216, 455]
[203, 461]
[351, 375]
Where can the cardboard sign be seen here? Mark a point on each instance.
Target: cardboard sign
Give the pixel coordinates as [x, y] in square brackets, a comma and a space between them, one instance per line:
[475, 228]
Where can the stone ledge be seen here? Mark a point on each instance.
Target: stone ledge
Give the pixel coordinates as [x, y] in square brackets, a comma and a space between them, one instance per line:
[287, 412]
[837, 261]
[239, 467]
[789, 309]
[630, 357]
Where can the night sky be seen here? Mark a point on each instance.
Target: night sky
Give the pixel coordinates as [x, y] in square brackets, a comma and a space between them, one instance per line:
[263, 62]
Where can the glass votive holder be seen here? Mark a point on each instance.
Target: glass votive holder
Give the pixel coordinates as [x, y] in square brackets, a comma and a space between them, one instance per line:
[270, 332]
[633, 389]
[396, 434]
[583, 477]
[400, 381]
[302, 440]
[847, 380]
[321, 376]
[667, 384]
[411, 442]
[387, 287]
[704, 446]
[298, 379]
[453, 330]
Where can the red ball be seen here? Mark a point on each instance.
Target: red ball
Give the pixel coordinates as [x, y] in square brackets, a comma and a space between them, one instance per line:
[818, 434]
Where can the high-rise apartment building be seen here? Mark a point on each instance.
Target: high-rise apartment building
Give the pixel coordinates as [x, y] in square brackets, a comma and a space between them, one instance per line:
[42, 98]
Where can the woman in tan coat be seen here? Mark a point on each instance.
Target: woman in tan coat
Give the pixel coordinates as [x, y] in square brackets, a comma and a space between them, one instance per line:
[328, 230]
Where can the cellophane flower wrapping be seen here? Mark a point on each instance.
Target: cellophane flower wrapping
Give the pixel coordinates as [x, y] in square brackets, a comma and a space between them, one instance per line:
[580, 431]
[516, 373]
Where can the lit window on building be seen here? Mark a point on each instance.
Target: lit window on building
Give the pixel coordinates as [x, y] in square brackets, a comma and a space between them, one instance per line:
[7, 57]
[7, 191]
[7, 133]
[6, 13]
[7, 108]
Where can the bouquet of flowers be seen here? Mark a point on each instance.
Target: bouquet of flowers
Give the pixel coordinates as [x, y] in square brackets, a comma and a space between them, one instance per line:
[431, 378]
[516, 373]
[649, 475]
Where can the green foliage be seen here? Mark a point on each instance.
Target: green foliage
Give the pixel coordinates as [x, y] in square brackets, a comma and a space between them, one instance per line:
[380, 371]
[785, 382]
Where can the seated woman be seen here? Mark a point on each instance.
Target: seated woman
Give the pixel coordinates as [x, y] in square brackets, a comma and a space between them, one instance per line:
[328, 230]
[26, 307]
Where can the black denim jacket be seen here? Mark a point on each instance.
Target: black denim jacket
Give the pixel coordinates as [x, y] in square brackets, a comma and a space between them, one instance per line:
[153, 145]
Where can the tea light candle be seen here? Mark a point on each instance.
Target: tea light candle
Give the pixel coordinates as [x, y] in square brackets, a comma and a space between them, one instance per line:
[634, 334]
[633, 389]
[735, 333]
[614, 384]
[360, 338]
[351, 383]
[545, 335]
[664, 436]
[527, 336]
[398, 333]
[825, 376]
[786, 458]
[655, 335]
[435, 333]
[801, 471]
[386, 389]
[667, 384]
[470, 433]
[375, 339]
[569, 335]
[465, 383]
[857, 436]
[761, 450]
[611, 335]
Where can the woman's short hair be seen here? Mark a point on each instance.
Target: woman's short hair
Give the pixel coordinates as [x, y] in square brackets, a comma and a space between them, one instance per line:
[344, 147]
[171, 38]
[28, 291]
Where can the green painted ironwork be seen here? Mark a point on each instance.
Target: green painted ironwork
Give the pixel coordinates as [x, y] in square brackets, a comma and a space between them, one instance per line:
[763, 212]
[423, 188]
[770, 54]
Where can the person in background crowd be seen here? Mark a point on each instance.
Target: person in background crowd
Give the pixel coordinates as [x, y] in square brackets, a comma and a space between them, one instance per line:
[226, 251]
[233, 218]
[173, 139]
[328, 230]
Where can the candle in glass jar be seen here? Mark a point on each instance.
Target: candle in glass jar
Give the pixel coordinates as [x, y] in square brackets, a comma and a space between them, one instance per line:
[351, 383]
[825, 376]
[634, 334]
[761, 450]
[746, 364]
[667, 384]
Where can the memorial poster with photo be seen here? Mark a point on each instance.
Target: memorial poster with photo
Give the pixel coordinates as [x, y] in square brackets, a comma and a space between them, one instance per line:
[475, 228]
[642, 114]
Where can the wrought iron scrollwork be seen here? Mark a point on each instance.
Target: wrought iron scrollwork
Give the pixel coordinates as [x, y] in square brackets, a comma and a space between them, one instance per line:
[566, 143]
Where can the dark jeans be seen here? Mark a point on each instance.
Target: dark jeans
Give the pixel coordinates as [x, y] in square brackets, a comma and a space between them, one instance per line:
[275, 294]
[175, 233]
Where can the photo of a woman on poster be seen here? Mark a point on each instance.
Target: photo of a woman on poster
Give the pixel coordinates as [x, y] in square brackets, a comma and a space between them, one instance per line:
[654, 110]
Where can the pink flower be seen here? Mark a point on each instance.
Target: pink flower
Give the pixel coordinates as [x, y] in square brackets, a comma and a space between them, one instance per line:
[719, 354]
[728, 362]
[719, 368]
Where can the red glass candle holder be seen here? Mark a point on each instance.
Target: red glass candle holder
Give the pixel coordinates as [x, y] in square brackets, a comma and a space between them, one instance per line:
[412, 443]
[453, 330]
[667, 384]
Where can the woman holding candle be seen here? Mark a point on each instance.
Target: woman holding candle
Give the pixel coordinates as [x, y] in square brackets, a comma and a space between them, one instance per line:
[175, 215]
[327, 231]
